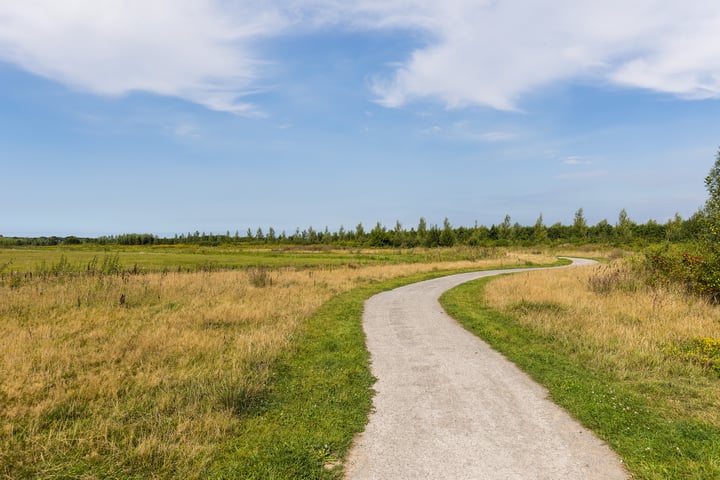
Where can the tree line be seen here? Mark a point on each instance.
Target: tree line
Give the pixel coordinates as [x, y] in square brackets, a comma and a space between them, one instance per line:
[623, 232]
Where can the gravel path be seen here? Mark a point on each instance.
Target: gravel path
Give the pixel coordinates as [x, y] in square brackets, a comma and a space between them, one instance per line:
[449, 407]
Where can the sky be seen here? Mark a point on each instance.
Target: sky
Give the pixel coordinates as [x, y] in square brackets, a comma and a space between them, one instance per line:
[171, 116]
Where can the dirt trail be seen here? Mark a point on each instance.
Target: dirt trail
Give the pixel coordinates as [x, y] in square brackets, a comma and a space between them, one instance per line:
[449, 407]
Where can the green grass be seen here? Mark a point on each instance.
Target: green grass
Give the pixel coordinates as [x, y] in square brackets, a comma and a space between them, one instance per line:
[653, 443]
[193, 258]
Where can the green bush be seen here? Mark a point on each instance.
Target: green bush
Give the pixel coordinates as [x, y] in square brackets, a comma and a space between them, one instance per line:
[697, 271]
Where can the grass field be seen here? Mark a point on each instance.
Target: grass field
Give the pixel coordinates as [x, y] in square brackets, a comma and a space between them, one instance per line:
[190, 258]
[639, 365]
[115, 370]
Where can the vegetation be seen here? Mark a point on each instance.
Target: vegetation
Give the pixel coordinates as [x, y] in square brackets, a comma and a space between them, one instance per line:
[694, 265]
[119, 372]
[624, 232]
[635, 360]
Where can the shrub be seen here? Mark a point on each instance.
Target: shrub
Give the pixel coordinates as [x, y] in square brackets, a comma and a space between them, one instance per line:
[696, 273]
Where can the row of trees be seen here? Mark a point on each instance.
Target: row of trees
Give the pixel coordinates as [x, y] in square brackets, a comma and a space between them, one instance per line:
[623, 232]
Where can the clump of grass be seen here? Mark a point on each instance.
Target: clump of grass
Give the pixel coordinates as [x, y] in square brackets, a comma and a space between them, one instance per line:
[259, 277]
[702, 351]
[526, 307]
[615, 276]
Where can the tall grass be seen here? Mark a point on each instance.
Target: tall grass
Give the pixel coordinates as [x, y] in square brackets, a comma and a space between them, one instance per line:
[121, 375]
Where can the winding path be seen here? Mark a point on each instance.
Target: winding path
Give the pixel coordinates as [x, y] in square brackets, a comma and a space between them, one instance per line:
[447, 406]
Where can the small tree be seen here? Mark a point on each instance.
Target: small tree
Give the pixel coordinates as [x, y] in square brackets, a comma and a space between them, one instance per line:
[504, 229]
[624, 226]
[712, 204]
[421, 231]
[447, 236]
[539, 234]
[580, 228]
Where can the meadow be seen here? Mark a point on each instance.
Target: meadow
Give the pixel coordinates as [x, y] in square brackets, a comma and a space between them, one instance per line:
[187, 362]
[636, 361]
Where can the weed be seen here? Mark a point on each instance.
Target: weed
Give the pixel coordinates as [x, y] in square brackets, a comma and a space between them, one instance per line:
[259, 277]
[702, 351]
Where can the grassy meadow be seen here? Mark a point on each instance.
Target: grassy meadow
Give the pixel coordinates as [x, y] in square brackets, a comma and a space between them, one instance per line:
[636, 362]
[185, 363]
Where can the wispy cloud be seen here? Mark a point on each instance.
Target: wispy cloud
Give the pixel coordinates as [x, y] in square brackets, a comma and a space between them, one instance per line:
[185, 130]
[464, 131]
[583, 175]
[576, 160]
[496, 136]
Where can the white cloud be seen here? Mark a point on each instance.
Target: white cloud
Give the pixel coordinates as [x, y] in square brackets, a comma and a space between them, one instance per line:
[470, 52]
[176, 48]
[492, 53]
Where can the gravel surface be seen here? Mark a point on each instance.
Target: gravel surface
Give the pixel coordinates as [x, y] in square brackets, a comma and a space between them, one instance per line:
[449, 407]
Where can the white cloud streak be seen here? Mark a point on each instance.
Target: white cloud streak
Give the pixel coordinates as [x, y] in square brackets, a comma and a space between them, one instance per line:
[576, 160]
[487, 53]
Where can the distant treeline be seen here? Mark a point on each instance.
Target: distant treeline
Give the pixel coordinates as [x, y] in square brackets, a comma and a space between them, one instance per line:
[623, 232]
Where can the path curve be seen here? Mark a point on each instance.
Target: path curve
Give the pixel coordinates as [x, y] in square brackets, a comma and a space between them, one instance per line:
[447, 406]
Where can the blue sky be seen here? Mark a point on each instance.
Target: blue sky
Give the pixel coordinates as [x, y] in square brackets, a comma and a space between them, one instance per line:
[174, 116]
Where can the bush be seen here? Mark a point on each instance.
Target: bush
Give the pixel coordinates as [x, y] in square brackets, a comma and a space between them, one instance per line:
[697, 272]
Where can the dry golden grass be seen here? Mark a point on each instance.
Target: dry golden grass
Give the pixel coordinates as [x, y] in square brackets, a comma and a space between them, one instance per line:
[627, 330]
[152, 372]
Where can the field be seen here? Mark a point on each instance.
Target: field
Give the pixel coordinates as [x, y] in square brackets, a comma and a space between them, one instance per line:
[177, 363]
[638, 363]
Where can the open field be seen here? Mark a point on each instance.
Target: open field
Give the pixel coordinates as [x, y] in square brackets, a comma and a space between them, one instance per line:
[190, 258]
[177, 375]
[639, 365]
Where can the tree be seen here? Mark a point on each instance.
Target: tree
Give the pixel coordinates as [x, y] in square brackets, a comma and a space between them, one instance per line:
[623, 227]
[504, 229]
[359, 233]
[421, 231]
[378, 236]
[398, 235]
[712, 204]
[580, 228]
[447, 236]
[674, 228]
[539, 234]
